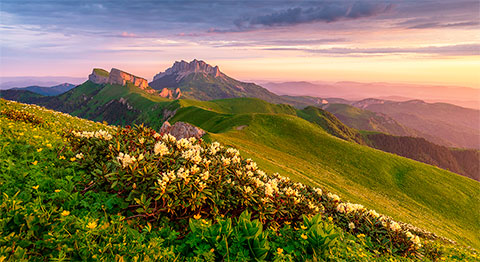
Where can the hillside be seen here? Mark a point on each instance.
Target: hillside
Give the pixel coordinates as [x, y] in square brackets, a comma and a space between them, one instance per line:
[461, 161]
[453, 125]
[376, 179]
[129, 104]
[85, 210]
[368, 120]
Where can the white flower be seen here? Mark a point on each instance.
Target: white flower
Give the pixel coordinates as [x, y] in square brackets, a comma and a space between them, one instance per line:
[79, 155]
[125, 159]
[373, 213]
[194, 169]
[291, 192]
[214, 148]
[169, 138]
[183, 144]
[233, 152]
[226, 161]
[351, 225]
[333, 197]
[318, 191]
[205, 175]
[394, 226]
[160, 149]
[251, 165]
[183, 174]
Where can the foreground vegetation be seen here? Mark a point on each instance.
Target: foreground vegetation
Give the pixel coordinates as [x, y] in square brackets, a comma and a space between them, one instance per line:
[78, 190]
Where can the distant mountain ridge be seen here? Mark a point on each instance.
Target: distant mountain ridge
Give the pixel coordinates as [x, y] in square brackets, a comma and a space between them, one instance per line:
[458, 95]
[47, 91]
[456, 126]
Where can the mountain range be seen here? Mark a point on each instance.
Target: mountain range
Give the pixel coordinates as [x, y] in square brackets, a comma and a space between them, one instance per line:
[122, 98]
[461, 96]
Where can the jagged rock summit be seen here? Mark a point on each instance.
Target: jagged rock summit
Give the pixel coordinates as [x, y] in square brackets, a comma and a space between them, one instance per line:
[201, 81]
[117, 77]
[183, 68]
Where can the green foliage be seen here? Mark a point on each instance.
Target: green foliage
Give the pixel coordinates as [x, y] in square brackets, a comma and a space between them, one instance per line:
[55, 206]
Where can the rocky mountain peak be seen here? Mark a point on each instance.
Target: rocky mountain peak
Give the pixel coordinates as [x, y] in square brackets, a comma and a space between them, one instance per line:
[183, 68]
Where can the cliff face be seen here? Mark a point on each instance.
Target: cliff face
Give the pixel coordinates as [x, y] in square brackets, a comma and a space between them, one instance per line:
[119, 77]
[98, 76]
[116, 77]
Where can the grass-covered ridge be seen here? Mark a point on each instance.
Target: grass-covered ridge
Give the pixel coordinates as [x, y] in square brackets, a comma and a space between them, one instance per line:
[87, 196]
[426, 196]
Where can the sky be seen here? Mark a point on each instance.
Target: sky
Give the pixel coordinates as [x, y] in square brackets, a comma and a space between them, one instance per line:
[432, 42]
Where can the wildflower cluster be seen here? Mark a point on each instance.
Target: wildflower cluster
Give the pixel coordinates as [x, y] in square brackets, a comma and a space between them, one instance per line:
[100, 134]
[186, 177]
[19, 115]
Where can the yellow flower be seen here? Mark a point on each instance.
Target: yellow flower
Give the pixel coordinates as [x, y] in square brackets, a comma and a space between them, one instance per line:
[57, 190]
[49, 145]
[197, 216]
[279, 250]
[65, 213]
[304, 236]
[35, 162]
[72, 159]
[39, 150]
[62, 157]
[303, 227]
[330, 219]
[92, 225]
[287, 222]
[360, 235]
[35, 187]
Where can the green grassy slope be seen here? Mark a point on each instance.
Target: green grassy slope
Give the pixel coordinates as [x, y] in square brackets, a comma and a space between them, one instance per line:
[281, 141]
[367, 120]
[55, 204]
[407, 190]
[112, 103]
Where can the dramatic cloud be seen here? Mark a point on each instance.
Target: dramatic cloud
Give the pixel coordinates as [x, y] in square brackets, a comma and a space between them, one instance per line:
[324, 12]
[40, 37]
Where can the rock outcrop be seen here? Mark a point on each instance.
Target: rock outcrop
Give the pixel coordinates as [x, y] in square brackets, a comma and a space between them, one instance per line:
[183, 68]
[168, 93]
[98, 76]
[181, 130]
[117, 77]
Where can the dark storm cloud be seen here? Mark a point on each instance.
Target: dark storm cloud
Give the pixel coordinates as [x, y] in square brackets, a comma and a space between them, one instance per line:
[320, 12]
